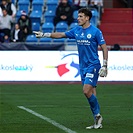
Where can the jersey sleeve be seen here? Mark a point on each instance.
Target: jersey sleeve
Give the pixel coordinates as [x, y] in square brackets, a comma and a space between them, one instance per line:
[70, 34]
[100, 38]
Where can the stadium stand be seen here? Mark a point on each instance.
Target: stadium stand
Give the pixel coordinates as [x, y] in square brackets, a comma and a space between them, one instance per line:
[48, 27]
[117, 28]
[72, 25]
[37, 5]
[71, 41]
[51, 4]
[61, 26]
[116, 23]
[49, 16]
[35, 26]
[36, 16]
[61, 40]
[18, 14]
[31, 38]
[75, 15]
[13, 1]
[95, 17]
[46, 40]
[24, 5]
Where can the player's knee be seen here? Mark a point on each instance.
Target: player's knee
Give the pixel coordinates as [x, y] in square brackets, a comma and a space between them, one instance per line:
[87, 91]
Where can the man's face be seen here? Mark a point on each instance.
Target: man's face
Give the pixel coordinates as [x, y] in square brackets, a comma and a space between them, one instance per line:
[23, 17]
[82, 19]
[4, 2]
[4, 12]
[16, 26]
[64, 1]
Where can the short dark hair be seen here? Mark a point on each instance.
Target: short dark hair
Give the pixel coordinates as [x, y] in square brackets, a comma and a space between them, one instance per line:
[86, 11]
[4, 9]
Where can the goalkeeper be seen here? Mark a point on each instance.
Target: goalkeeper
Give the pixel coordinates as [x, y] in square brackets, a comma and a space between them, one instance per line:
[88, 38]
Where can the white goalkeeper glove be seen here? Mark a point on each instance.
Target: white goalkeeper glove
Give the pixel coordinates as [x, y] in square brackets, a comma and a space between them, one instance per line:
[41, 34]
[103, 70]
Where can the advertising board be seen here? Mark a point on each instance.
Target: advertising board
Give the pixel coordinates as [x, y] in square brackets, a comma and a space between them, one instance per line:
[59, 66]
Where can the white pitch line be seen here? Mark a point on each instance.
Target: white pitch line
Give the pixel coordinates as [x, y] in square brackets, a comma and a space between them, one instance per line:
[55, 106]
[67, 130]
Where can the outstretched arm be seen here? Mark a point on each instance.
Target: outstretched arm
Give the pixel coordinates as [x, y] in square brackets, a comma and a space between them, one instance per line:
[58, 35]
[103, 71]
[50, 35]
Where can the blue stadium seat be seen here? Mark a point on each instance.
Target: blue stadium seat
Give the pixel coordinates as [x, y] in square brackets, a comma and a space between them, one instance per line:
[35, 26]
[61, 40]
[36, 16]
[61, 27]
[95, 17]
[72, 25]
[48, 27]
[75, 15]
[45, 39]
[51, 4]
[18, 14]
[38, 0]
[13, 1]
[37, 5]
[23, 5]
[49, 16]
[31, 38]
[23, 0]
[71, 41]
[92, 22]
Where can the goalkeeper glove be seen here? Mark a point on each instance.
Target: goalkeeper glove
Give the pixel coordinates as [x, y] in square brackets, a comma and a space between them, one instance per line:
[103, 70]
[41, 34]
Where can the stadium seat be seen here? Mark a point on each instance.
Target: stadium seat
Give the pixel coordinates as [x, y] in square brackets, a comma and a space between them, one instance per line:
[18, 14]
[36, 16]
[51, 4]
[31, 38]
[75, 15]
[45, 39]
[23, 5]
[2, 36]
[72, 25]
[35, 26]
[95, 17]
[61, 40]
[61, 27]
[23, 0]
[13, 1]
[49, 16]
[48, 27]
[37, 5]
[71, 41]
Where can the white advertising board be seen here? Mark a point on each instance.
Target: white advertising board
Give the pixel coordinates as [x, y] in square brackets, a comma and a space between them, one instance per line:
[59, 66]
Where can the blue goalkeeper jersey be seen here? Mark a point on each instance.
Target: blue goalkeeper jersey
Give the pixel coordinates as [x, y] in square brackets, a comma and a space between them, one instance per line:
[87, 42]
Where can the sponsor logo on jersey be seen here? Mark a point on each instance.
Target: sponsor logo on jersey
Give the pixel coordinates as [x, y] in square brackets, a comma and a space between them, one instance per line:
[83, 42]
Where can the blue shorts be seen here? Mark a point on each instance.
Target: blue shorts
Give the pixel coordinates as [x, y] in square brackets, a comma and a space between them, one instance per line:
[90, 75]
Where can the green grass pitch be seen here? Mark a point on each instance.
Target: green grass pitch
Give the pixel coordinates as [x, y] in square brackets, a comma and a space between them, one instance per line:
[65, 104]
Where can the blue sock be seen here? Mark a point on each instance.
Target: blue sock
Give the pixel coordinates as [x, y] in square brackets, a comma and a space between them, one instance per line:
[94, 105]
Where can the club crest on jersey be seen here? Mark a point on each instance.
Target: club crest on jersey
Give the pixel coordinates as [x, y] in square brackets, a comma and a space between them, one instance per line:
[89, 36]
